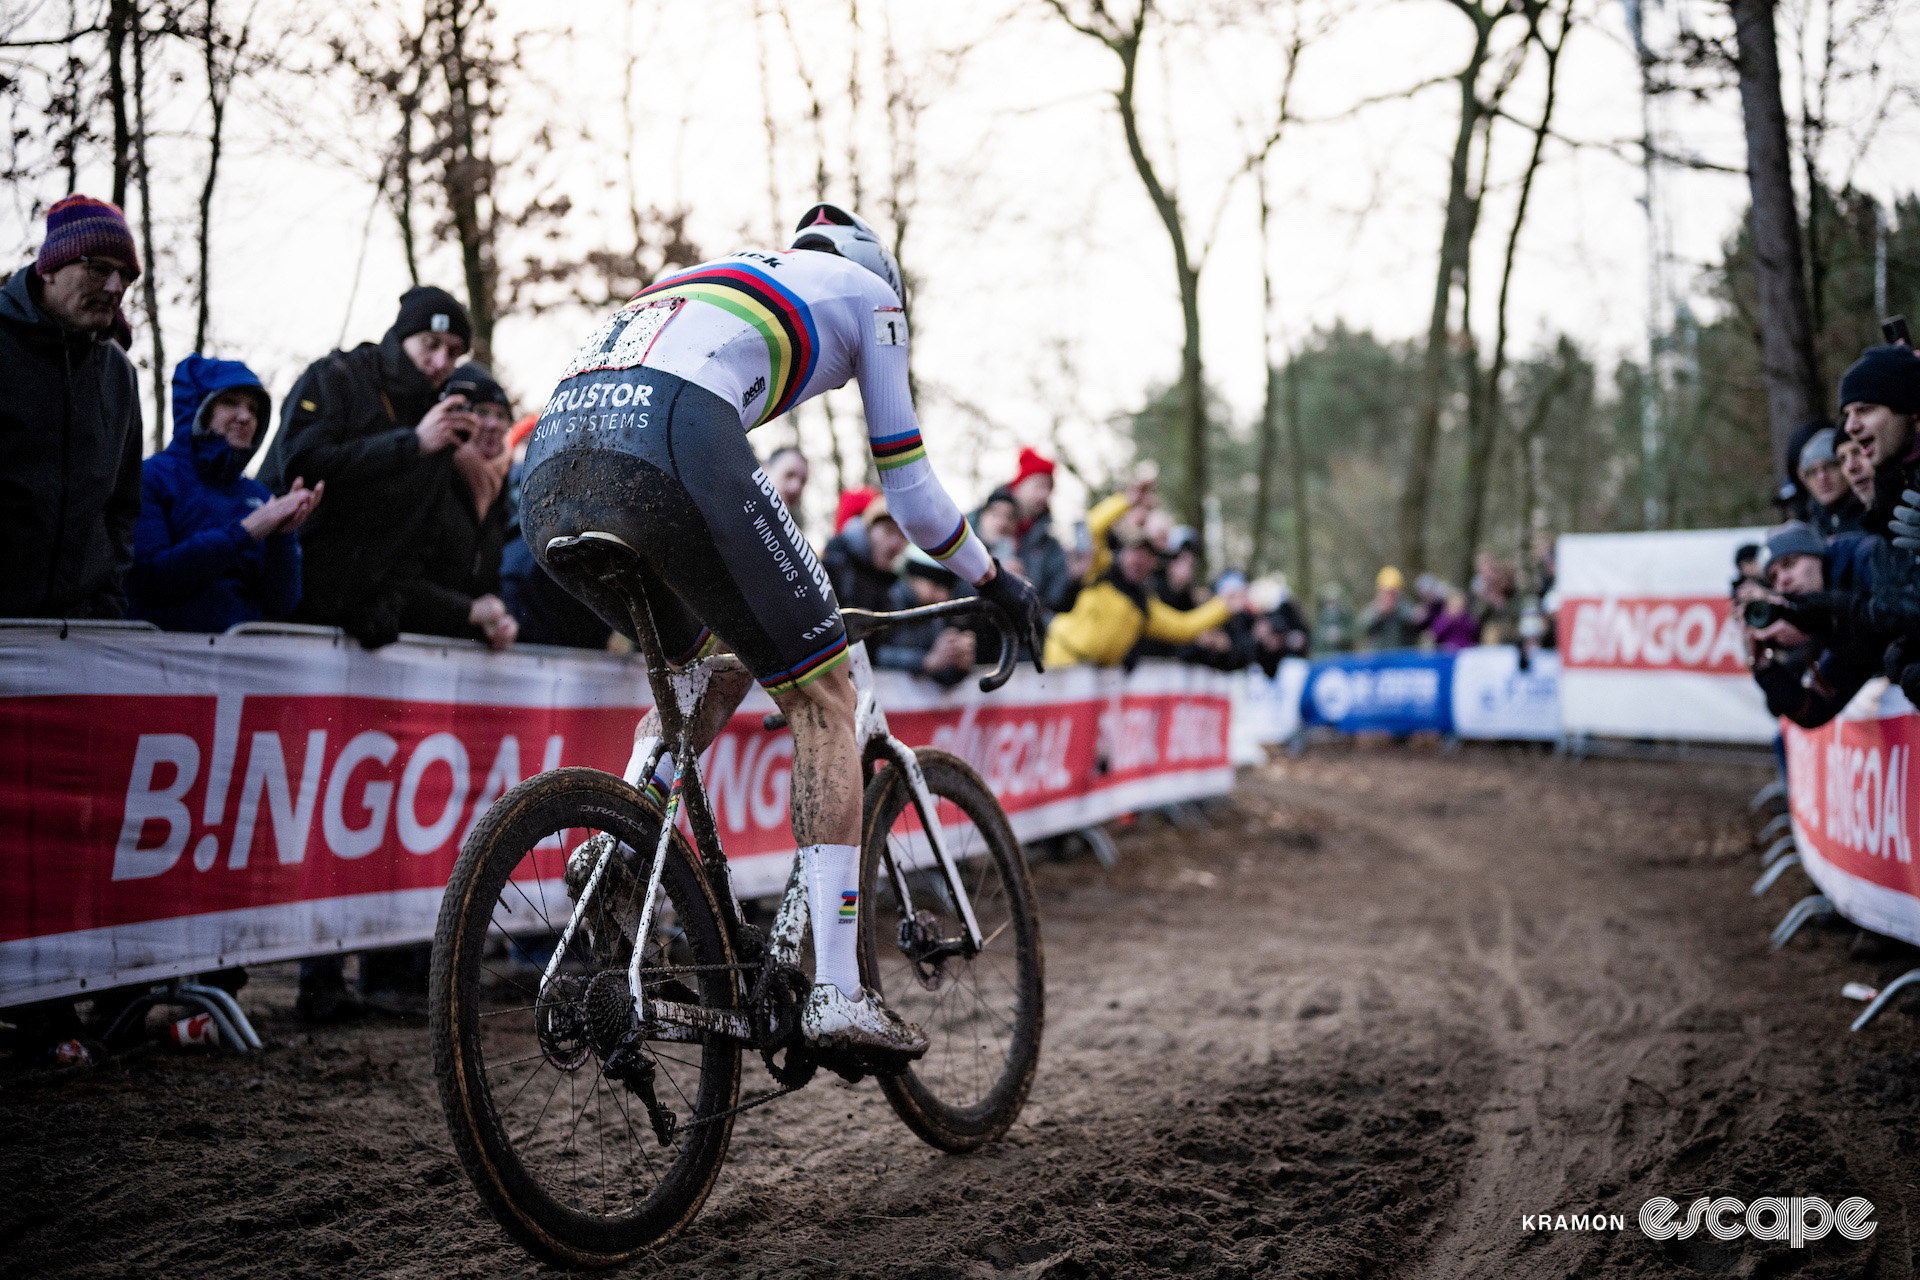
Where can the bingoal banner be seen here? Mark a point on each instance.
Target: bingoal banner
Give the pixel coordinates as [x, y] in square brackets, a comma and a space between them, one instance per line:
[174, 803]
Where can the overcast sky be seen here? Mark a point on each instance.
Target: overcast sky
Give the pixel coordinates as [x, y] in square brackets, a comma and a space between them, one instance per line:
[1047, 289]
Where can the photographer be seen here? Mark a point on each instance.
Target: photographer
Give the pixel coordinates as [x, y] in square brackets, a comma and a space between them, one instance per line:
[1810, 648]
[370, 423]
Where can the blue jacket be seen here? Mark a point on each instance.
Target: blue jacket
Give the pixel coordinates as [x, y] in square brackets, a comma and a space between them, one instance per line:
[194, 567]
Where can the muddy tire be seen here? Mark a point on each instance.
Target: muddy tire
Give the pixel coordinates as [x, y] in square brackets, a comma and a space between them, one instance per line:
[567, 1160]
[982, 1014]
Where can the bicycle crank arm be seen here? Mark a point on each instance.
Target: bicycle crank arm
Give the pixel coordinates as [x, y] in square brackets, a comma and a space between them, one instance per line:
[665, 1018]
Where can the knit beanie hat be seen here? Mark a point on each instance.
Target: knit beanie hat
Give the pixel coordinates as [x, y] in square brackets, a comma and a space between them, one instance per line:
[1888, 375]
[1795, 539]
[425, 309]
[79, 227]
[1818, 448]
[1031, 464]
[475, 381]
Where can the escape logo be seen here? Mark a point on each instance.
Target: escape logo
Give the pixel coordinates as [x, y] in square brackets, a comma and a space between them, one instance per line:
[1798, 1220]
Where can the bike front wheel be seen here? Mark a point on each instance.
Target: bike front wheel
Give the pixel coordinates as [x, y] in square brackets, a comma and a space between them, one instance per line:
[982, 1012]
[546, 1092]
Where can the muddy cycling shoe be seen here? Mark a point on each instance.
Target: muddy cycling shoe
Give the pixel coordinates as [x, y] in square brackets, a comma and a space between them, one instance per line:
[864, 1027]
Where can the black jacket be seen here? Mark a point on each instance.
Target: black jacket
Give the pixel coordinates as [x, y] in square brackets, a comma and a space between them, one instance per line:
[349, 421]
[69, 462]
[463, 565]
[857, 582]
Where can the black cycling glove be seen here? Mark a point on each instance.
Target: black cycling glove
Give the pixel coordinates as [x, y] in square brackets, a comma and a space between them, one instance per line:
[376, 625]
[1904, 527]
[1015, 597]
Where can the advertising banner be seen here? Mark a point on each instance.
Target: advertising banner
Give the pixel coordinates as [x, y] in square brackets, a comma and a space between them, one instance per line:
[1494, 698]
[1649, 644]
[1854, 814]
[1271, 708]
[1397, 691]
[173, 803]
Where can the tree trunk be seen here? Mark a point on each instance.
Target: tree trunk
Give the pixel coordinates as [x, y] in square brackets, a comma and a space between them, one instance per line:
[1263, 470]
[1484, 430]
[1455, 241]
[120, 19]
[1193, 409]
[150, 291]
[468, 176]
[1297, 464]
[217, 108]
[1793, 389]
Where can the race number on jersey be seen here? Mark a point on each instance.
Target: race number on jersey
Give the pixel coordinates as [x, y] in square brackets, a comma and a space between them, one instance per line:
[890, 326]
[623, 340]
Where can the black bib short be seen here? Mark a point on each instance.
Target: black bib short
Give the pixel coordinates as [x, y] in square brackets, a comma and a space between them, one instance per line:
[664, 465]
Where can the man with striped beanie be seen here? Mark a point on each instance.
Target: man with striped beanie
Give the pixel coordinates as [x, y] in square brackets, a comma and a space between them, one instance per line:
[70, 423]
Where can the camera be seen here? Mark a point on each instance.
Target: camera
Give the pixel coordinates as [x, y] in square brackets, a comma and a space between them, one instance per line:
[1761, 614]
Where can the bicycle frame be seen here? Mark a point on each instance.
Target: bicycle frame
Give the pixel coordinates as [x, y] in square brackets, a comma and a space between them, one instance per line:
[677, 696]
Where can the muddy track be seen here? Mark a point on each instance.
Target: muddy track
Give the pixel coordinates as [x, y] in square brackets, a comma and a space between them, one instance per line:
[1385, 1004]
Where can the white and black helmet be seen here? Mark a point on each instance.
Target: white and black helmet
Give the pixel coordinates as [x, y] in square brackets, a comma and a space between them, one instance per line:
[832, 229]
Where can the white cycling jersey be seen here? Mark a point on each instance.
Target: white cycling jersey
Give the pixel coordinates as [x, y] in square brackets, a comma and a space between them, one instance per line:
[766, 331]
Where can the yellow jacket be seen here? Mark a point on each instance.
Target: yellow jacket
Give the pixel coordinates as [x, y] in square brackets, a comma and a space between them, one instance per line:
[1100, 519]
[1105, 623]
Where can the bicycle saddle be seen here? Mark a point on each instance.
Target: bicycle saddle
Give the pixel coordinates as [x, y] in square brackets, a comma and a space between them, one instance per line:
[600, 555]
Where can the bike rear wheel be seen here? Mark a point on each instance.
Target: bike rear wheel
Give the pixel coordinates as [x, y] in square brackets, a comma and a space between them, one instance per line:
[568, 1160]
[983, 1013]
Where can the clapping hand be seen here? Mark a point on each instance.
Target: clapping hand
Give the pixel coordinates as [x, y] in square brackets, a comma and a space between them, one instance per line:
[285, 513]
[1905, 525]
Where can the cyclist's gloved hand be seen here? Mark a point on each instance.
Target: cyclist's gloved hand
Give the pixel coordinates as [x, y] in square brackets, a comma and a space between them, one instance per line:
[1904, 528]
[1015, 597]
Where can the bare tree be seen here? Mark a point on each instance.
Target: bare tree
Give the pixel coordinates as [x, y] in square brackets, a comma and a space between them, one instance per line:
[221, 54]
[1786, 326]
[142, 39]
[1456, 250]
[1124, 36]
[1484, 426]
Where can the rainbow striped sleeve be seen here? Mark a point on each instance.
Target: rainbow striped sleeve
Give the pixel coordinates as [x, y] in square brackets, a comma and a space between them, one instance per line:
[890, 453]
[951, 543]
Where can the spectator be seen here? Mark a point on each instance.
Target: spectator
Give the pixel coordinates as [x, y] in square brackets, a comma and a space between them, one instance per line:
[1115, 612]
[1045, 560]
[1173, 583]
[861, 559]
[1454, 627]
[458, 590]
[998, 524]
[1809, 660]
[212, 547]
[787, 468]
[1831, 507]
[852, 503]
[1879, 396]
[1856, 468]
[1747, 565]
[70, 427]
[370, 422]
[1496, 602]
[1333, 624]
[1282, 631]
[1391, 621]
[942, 653]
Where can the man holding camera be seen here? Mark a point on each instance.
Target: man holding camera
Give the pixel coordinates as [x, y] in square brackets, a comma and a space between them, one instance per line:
[1810, 649]
[373, 424]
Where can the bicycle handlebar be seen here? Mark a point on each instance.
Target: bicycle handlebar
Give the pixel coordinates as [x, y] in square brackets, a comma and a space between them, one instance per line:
[862, 623]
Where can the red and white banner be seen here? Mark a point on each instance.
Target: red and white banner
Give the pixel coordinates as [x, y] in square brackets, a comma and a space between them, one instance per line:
[1649, 643]
[1854, 811]
[173, 803]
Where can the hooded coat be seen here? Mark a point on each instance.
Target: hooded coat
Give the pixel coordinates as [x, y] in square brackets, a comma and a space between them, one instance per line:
[69, 462]
[195, 567]
[349, 421]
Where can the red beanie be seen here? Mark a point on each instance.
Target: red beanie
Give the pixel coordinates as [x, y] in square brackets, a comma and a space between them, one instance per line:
[852, 502]
[1031, 464]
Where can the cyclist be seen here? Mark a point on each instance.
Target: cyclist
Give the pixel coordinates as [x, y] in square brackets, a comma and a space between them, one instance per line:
[645, 438]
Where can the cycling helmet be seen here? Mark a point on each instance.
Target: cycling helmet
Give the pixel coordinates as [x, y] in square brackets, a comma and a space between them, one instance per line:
[831, 229]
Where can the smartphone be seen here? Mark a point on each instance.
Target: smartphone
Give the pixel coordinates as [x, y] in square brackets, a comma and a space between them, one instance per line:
[1894, 330]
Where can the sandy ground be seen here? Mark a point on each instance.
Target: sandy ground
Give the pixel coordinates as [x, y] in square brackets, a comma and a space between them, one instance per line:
[1389, 1002]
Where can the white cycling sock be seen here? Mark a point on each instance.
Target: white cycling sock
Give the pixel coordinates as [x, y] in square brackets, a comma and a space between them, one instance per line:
[662, 779]
[833, 904]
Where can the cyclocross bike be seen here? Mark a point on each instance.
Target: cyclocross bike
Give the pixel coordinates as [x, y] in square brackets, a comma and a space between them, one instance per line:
[594, 983]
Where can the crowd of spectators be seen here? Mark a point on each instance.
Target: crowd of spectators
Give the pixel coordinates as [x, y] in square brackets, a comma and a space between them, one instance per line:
[1835, 600]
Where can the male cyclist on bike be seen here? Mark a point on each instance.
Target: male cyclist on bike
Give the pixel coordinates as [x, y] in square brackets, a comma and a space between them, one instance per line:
[645, 439]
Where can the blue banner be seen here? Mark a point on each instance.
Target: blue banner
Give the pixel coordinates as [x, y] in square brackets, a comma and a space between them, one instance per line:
[1398, 691]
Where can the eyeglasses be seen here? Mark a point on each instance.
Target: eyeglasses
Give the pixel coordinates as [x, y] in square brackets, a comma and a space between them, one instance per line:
[101, 270]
